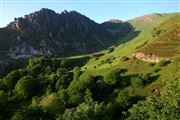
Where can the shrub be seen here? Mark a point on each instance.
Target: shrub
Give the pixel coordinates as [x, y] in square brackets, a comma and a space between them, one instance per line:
[124, 58]
[163, 63]
[151, 64]
[137, 82]
[156, 32]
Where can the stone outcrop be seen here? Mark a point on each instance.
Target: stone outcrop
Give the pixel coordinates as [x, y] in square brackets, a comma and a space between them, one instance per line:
[146, 57]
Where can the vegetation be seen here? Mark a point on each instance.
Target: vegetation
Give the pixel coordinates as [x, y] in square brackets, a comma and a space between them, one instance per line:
[48, 90]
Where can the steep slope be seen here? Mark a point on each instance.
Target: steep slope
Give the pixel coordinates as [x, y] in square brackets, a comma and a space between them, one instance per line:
[136, 39]
[166, 43]
[48, 33]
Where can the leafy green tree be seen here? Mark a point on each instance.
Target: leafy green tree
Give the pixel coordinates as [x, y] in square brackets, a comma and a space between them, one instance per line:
[11, 79]
[26, 87]
[77, 89]
[115, 78]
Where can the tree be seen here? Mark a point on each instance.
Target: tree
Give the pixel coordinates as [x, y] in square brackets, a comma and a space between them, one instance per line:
[137, 82]
[26, 87]
[31, 113]
[11, 79]
[76, 73]
[52, 103]
[87, 110]
[123, 100]
[3, 98]
[163, 107]
[115, 78]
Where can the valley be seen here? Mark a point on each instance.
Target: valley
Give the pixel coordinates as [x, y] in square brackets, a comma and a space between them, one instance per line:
[65, 66]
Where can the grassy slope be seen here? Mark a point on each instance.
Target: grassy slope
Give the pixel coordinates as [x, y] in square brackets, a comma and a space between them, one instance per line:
[130, 44]
[167, 44]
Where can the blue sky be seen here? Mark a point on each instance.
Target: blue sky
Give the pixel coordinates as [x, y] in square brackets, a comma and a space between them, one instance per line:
[97, 10]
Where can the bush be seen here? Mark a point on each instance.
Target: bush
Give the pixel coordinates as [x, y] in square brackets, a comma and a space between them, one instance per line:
[137, 82]
[163, 63]
[124, 58]
[156, 32]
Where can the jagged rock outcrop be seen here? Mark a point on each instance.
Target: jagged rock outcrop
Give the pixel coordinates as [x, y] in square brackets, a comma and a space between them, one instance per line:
[146, 57]
[46, 32]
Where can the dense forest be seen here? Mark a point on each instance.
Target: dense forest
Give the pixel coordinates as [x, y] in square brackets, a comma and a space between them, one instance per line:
[48, 88]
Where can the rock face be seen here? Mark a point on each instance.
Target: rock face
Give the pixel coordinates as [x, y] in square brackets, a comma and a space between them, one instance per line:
[146, 57]
[46, 32]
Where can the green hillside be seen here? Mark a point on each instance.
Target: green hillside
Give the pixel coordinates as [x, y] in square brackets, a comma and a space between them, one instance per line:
[137, 39]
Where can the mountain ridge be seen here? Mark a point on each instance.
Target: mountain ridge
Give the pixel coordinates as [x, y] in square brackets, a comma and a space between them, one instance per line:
[46, 32]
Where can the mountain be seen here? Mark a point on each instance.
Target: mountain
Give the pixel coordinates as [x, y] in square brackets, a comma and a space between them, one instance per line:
[48, 33]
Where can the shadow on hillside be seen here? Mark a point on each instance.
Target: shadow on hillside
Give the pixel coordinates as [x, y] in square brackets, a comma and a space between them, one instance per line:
[133, 34]
[147, 78]
[124, 31]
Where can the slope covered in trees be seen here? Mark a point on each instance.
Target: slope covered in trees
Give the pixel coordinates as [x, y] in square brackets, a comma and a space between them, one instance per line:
[47, 89]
